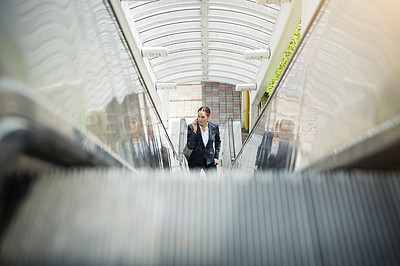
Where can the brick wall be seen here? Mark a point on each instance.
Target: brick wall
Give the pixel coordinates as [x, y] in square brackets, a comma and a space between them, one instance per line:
[221, 98]
[223, 101]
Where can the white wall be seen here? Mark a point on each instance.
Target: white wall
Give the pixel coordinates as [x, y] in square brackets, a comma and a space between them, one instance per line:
[290, 15]
[308, 9]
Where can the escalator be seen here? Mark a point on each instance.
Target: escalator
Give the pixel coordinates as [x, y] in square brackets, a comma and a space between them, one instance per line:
[89, 175]
[116, 217]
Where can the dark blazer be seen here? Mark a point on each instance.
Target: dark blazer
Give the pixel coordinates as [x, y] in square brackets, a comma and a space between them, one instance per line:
[282, 160]
[195, 143]
[264, 148]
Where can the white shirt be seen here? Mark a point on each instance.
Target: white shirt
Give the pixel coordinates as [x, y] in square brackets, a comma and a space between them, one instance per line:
[274, 147]
[205, 136]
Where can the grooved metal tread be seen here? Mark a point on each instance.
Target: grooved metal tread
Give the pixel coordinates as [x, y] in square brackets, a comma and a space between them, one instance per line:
[115, 217]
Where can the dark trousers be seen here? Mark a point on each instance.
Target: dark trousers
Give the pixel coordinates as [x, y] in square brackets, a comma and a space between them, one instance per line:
[204, 166]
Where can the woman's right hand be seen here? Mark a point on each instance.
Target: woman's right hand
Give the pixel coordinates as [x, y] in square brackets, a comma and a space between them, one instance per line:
[194, 124]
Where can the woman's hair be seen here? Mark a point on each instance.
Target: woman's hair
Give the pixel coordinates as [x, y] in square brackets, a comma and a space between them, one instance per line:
[286, 122]
[205, 109]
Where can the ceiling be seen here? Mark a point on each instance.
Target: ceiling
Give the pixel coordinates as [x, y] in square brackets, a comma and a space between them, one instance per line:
[205, 39]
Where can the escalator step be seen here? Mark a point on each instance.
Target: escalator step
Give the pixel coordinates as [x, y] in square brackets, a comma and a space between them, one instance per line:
[116, 217]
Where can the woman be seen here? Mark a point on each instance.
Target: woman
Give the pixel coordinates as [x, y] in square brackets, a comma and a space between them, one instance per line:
[204, 139]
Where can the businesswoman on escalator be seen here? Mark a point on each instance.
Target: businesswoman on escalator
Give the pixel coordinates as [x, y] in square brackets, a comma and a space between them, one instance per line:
[204, 139]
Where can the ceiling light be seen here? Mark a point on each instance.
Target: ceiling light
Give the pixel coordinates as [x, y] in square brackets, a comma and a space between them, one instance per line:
[263, 2]
[165, 85]
[257, 54]
[246, 87]
[154, 51]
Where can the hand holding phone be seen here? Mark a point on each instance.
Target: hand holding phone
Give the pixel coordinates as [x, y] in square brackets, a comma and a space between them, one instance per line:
[194, 123]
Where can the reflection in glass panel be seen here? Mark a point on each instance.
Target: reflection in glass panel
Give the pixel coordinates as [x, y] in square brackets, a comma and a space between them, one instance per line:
[77, 62]
[340, 93]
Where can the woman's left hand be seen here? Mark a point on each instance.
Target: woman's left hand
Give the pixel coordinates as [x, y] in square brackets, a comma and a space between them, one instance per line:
[215, 161]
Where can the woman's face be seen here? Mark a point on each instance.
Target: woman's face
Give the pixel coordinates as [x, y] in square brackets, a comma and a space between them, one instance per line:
[202, 118]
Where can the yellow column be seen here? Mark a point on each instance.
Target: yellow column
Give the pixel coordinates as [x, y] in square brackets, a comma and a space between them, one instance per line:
[247, 111]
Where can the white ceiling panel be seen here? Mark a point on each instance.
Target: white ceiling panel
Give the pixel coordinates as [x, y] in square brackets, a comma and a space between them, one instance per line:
[205, 39]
